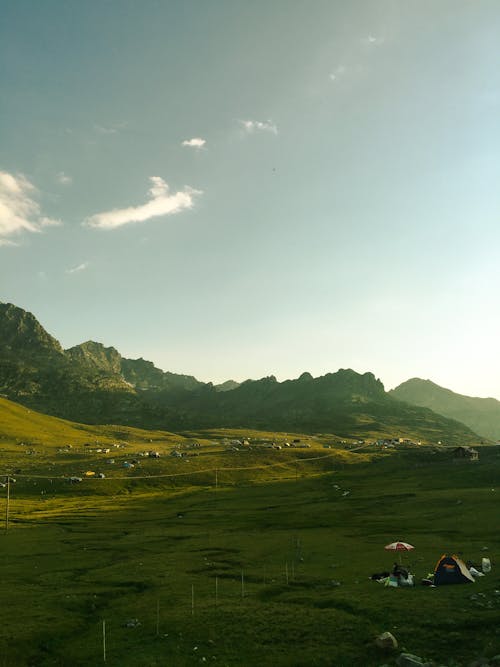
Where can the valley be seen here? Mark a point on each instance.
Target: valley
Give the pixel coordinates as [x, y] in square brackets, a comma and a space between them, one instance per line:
[234, 552]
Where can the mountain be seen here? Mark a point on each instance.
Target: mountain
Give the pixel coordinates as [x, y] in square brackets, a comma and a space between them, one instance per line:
[96, 356]
[144, 375]
[89, 382]
[94, 384]
[482, 415]
[138, 373]
[228, 385]
[345, 403]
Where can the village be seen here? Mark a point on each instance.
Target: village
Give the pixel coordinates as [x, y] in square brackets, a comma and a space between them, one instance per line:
[121, 457]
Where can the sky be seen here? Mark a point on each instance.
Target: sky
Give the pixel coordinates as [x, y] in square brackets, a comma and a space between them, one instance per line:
[235, 189]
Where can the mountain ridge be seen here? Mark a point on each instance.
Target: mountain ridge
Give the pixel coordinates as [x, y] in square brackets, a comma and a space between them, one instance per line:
[92, 383]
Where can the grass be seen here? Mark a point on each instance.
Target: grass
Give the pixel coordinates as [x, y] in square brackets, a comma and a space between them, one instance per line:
[290, 555]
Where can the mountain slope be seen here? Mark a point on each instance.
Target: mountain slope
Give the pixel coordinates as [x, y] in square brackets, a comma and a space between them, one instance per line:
[482, 415]
[21, 424]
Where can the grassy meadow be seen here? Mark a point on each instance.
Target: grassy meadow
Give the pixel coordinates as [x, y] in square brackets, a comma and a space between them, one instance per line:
[235, 555]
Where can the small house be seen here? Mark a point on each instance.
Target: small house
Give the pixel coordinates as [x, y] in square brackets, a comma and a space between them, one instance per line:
[465, 454]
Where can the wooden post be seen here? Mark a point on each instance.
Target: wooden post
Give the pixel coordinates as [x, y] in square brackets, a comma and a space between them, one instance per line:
[286, 573]
[104, 641]
[192, 599]
[157, 617]
[242, 585]
[216, 591]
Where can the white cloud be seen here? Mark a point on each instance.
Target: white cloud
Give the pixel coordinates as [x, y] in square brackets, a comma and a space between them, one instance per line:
[259, 126]
[161, 202]
[19, 208]
[79, 268]
[195, 142]
[64, 179]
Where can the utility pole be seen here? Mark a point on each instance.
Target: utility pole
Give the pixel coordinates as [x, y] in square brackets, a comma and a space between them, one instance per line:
[8, 504]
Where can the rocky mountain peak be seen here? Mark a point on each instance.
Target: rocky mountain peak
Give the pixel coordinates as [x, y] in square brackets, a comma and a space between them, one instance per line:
[20, 330]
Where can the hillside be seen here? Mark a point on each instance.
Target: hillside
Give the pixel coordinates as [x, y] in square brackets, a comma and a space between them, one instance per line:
[94, 384]
[482, 415]
[19, 424]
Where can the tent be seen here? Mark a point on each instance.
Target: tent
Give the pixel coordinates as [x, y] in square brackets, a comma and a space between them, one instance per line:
[451, 570]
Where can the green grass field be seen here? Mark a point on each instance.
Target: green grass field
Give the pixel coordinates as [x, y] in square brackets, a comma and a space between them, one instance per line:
[248, 557]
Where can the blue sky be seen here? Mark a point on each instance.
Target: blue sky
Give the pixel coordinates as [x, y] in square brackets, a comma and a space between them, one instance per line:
[236, 189]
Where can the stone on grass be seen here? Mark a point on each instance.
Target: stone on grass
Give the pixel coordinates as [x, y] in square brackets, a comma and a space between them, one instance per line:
[386, 641]
[409, 660]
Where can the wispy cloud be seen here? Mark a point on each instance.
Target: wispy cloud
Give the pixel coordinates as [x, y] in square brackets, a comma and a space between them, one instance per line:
[19, 208]
[112, 128]
[373, 40]
[161, 202]
[337, 73]
[49, 222]
[251, 126]
[64, 179]
[79, 268]
[195, 142]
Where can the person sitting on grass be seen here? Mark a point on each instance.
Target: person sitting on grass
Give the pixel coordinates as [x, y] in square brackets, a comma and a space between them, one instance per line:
[399, 572]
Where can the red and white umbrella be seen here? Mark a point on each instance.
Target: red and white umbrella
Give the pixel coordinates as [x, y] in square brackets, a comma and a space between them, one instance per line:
[399, 546]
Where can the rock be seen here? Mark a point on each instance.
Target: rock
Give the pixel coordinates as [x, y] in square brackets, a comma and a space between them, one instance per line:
[386, 641]
[409, 660]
